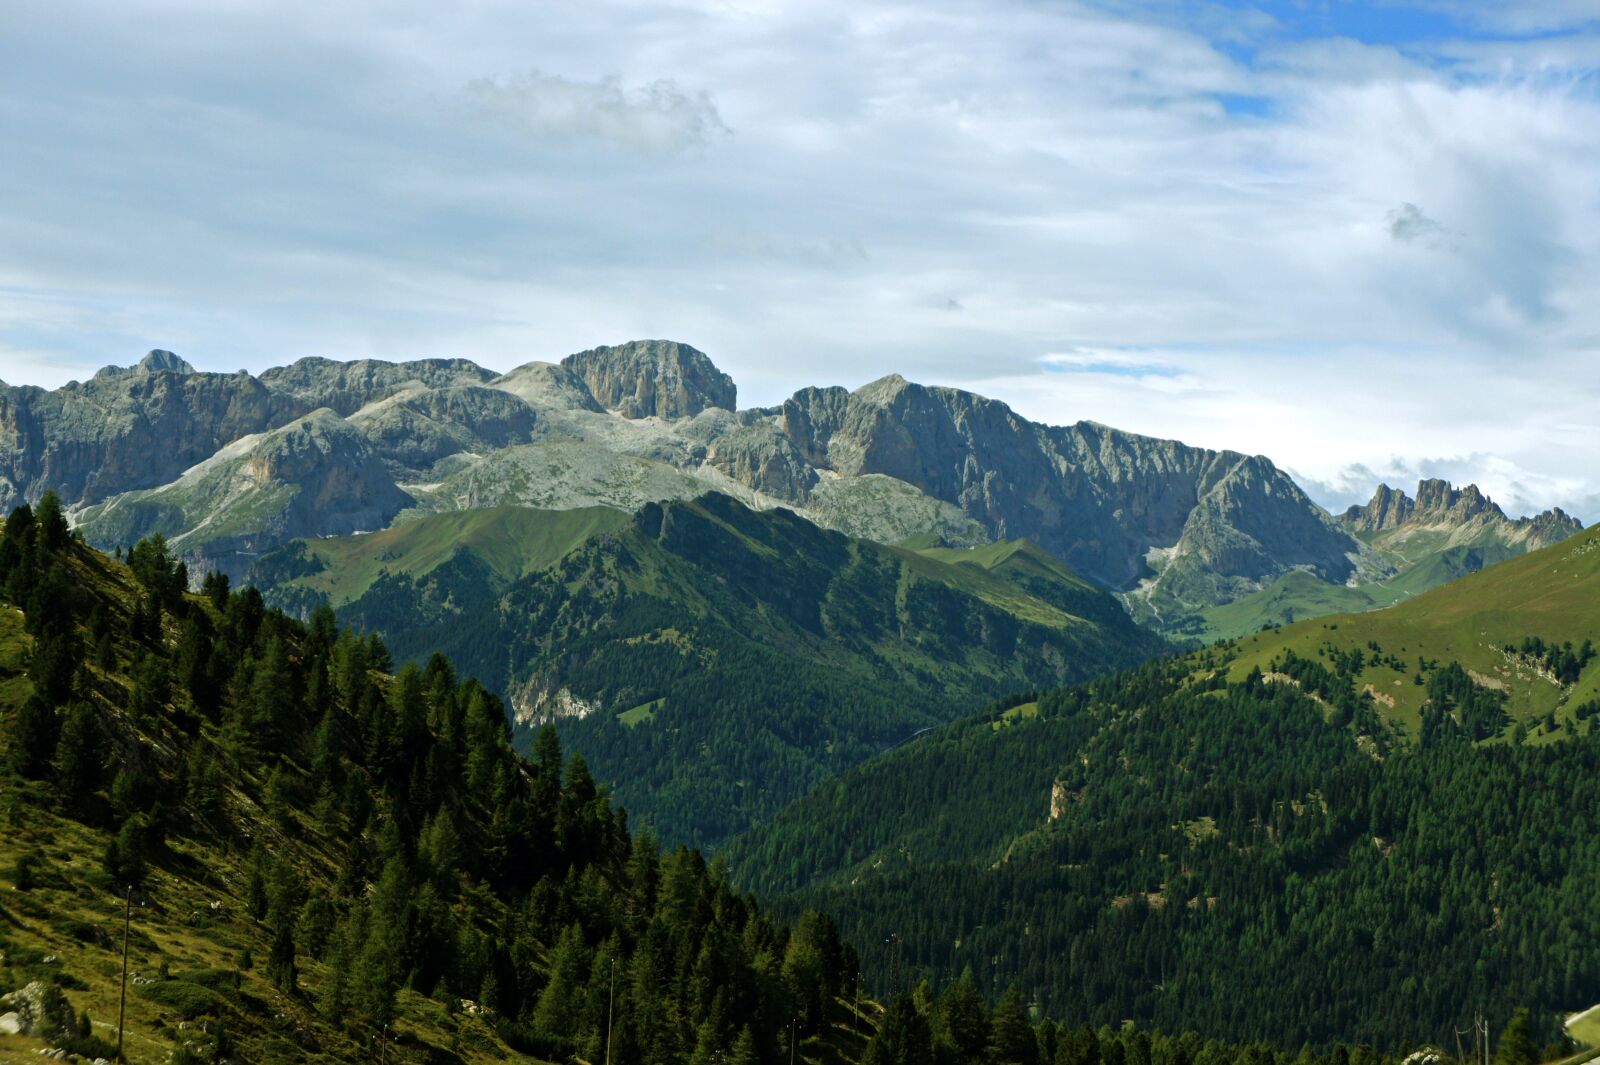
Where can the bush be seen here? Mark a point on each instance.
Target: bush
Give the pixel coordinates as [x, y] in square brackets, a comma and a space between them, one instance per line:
[188, 1000]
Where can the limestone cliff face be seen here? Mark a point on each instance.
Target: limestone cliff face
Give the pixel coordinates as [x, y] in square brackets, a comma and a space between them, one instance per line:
[1461, 514]
[316, 476]
[127, 429]
[417, 427]
[653, 378]
[346, 387]
[764, 458]
[548, 386]
[1098, 498]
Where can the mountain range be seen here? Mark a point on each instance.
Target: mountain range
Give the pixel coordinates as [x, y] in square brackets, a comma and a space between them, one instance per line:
[229, 466]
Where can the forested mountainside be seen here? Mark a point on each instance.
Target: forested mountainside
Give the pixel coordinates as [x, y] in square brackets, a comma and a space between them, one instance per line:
[325, 860]
[227, 466]
[713, 662]
[1256, 839]
[329, 862]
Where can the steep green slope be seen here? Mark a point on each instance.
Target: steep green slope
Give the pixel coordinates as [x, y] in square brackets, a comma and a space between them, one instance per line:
[1298, 595]
[711, 661]
[328, 863]
[1203, 841]
[1443, 534]
[510, 542]
[1551, 595]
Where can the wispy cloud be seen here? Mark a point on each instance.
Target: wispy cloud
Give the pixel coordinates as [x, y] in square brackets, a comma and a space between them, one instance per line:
[659, 117]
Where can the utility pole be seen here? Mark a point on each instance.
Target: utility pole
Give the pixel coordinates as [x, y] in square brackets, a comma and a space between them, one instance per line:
[611, 997]
[794, 1022]
[122, 1001]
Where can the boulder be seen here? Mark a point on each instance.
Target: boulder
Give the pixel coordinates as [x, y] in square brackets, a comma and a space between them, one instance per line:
[38, 1009]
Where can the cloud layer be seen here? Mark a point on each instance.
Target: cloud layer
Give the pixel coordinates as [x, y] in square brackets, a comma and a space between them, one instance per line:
[1364, 241]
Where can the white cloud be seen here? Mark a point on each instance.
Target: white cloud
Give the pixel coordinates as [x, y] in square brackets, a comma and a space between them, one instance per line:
[659, 117]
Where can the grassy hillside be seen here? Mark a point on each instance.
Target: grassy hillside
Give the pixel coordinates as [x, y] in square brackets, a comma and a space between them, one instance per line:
[510, 541]
[1552, 595]
[1203, 840]
[328, 862]
[713, 662]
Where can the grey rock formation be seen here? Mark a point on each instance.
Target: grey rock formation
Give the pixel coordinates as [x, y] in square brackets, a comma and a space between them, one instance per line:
[1441, 507]
[653, 378]
[316, 476]
[37, 1009]
[346, 387]
[762, 457]
[1100, 499]
[127, 430]
[416, 428]
[546, 386]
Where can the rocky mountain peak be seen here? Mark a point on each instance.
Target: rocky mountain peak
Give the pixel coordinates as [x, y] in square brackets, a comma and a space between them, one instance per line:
[157, 360]
[1437, 497]
[1439, 503]
[653, 378]
[1388, 508]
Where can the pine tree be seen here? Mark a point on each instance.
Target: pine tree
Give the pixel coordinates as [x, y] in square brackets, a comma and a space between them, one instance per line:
[281, 969]
[558, 1011]
[1516, 1045]
[1011, 1040]
[81, 756]
[961, 1022]
[902, 1039]
[52, 523]
[34, 736]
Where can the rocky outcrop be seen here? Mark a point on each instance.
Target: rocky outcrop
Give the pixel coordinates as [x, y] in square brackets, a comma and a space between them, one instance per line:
[157, 360]
[316, 476]
[653, 379]
[1441, 507]
[548, 386]
[127, 430]
[761, 457]
[416, 428]
[38, 1009]
[1098, 498]
[346, 387]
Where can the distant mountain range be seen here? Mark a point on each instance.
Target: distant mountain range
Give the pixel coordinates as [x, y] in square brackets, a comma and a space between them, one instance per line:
[1196, 542]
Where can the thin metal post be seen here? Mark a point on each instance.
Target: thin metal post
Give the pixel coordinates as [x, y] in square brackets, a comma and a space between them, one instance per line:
[122, 1003]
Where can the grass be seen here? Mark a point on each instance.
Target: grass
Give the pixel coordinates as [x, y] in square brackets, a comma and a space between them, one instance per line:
[512, 541]
[1549, 593]
[1585, 1028]
[641, 713]
[1025, 712]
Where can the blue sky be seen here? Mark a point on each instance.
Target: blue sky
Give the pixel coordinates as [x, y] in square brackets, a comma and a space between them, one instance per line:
[1361, 238]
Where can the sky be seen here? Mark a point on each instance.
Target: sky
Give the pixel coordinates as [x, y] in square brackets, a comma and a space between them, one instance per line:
[1362, 238]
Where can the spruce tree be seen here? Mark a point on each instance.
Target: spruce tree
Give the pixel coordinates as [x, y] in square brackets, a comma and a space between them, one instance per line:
[52, 523]
[1516, 1045]
[902, 1038]
[281, 969]
[34, 737]
[1011, 1040]
[80, 760]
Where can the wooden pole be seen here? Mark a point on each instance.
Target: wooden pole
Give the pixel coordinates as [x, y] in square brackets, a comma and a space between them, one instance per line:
[122, 1003]
[611, 997]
